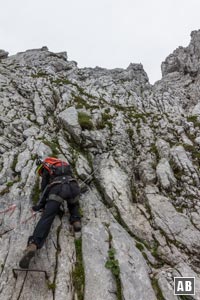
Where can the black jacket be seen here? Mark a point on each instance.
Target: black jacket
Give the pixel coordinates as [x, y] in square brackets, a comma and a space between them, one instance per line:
[47, 179]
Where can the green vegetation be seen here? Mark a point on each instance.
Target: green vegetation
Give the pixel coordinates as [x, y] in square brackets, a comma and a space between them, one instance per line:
[139, 246]
[130, 133]
[134, 193]
[85, 121]
[51, 285]
[157, 289]
[39, 74]
[10, 183]
[61, 81]
[154, 250]
[105, 117]
[133, 115]
[4, 191]
[179, 209]
[194, 120]
[112, 263]
[78, 272]
[105, 120]
[54, 147]
[194, 152]
[154, 150]
[14, 163]
[82, 103]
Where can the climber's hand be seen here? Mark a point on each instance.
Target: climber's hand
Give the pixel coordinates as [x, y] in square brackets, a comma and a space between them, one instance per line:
[37, 208]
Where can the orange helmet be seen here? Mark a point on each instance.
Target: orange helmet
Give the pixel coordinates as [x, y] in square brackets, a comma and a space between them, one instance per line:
[48, 163]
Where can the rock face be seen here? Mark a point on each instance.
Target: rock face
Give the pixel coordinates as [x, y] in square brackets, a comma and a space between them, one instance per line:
[133, 145]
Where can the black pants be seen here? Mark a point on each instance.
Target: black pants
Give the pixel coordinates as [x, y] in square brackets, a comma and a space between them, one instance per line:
[52, 208]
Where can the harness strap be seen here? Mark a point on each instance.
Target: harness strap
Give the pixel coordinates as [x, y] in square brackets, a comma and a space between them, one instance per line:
[64, 179]
[55, 198]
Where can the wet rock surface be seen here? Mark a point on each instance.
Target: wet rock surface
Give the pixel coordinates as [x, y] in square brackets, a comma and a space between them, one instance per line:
[134, 148]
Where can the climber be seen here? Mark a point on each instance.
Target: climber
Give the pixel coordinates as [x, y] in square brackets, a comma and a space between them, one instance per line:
[57, 186]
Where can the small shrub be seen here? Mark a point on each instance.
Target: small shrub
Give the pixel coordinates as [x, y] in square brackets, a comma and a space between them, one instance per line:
[85, 121]
[112, 263]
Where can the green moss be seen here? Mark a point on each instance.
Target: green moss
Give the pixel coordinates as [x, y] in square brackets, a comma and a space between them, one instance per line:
[130, 133]
[154, 250]
[78, 272]
[138, 116]
[134, 193]
[80, 211]
[194, 152]
[61, 81]
[85, 121]
[139, 246]
[107, 110]
[194, 120]
[105, 117]
[81, 103]
[179, 209]
[105, 120]
[54, 147]
[100, 125]
[157, 289]
[112, 263]
[14, 163]
[4, 191]
[39, 74]
[154, 150]
[10, 183]
[51, 285]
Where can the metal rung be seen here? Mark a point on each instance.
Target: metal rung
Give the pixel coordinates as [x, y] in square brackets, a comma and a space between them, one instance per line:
[29, 270]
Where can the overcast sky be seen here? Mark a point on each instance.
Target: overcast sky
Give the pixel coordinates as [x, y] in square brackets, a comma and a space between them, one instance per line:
[104, 33]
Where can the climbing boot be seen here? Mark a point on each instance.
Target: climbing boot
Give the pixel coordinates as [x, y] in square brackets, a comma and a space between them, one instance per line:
[77, 226]
[29, 252]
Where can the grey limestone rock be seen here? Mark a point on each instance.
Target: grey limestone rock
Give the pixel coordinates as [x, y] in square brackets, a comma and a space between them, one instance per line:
[138, 167]
[3, 54]
[99, 282]
[69, 118]
[176, 225]
[165, 174]
[132, 267]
